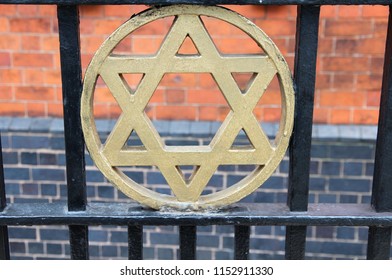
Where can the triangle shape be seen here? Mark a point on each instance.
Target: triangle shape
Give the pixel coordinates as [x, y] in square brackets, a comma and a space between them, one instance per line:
[188, 47]
[243, 80]
[188, 172]
[132, 81]
[242, 141]
[134, 142]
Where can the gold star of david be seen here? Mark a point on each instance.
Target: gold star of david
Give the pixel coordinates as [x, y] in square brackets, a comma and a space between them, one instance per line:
[115, 153]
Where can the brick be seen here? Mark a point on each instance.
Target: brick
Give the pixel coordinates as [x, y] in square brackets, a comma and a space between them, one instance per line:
[41, 174]
[373, 99]
[35, 248]
[362, 46]
[4, 24]
[31, 25]
[348, 199]
[91, 11]
[375, 11]
[29, 158]
[327, 11]
[48, 189]
[349, 11]
[117, 11]
[330, 168]
[347, 28]
[327, 198]
[348, 64]
[30, 142]
[54, 249]
[351, 152]
[156, 178]
[10, 157]
[31, 43]
[106, 26]
[94, 176]
[178, 128]
[250, 11]
[30, 189]
[47, 159]
[18, 247]
[165, 254]
[369, 116]
[27, 10]
[175, 96]
[22, 233]
[317, 183]
[208, 241]
[105, 192]
[167, 238]
[342, 99]
[340, 116]
[328, 247]
[118, 237]
[17, 173]
[5, 59]
[10, 76]
[345, 233]
[176, 112]
[353, 168]
[50, 43]
[277, 27]
[349, 185]
[47, 10]
[33, 60]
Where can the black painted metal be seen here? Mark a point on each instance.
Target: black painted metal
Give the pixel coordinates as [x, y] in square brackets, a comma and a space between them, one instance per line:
[304, 78]
[135, 242]
[241, 242]
[200, 2]
[379, 239]
[71, 75]
[296, 215]
[379, 244]
[382, 187]
[258, 214]
[188, 242]
[4, 243]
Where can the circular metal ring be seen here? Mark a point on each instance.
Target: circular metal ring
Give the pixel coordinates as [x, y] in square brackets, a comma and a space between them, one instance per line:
[188, 195]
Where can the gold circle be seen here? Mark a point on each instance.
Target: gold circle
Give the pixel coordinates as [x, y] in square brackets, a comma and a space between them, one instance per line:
[221, 198]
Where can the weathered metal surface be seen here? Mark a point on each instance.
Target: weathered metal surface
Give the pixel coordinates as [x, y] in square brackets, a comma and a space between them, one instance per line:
[379, 239]
[135, 242]
[112, 154]
[239, 214]
[188, 242]
[301, 140]
[4, 242]
[71, 75]
[241, 242]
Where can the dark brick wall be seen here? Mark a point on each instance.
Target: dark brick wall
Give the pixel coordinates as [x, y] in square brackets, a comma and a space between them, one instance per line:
[34, 165]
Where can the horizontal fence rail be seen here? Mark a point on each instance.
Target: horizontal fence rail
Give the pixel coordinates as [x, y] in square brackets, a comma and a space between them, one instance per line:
[296, 215]
[257, 214]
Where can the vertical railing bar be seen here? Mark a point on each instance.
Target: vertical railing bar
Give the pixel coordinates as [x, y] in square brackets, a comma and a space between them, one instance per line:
[188, 242]
[304, 77]
[241, 242]
[135, 242]
[379, 243]
[71, 75]
[379, 239]
[4, 241]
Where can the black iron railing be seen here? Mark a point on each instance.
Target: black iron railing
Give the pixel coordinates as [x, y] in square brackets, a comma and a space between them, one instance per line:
[296, 215]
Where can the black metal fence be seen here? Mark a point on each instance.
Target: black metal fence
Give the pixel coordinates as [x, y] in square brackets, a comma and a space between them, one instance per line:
[296, 215]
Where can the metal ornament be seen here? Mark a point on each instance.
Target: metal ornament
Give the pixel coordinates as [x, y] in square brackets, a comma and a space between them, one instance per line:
[114, 153]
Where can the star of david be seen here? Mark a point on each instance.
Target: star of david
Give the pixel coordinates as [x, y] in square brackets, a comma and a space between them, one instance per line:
[205, 158]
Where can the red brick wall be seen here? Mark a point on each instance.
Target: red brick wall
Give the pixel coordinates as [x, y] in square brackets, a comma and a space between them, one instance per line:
[349, 67]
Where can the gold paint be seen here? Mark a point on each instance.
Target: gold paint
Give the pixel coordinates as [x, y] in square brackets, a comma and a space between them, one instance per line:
[187, 192]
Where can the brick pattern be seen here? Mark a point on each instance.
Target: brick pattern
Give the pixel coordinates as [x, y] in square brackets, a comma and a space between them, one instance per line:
[349, 68]
[34, 161]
